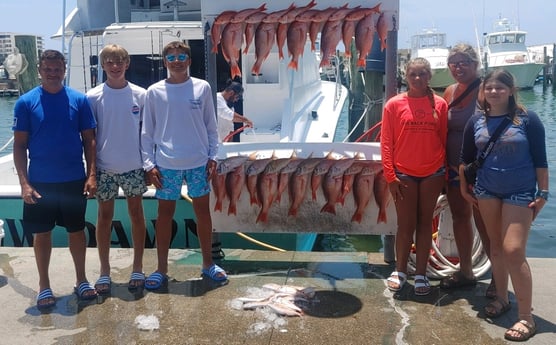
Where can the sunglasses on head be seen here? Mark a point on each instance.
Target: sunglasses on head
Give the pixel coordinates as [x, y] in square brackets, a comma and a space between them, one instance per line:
[181, 57]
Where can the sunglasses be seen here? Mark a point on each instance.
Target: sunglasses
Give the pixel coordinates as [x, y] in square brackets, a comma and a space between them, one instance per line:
[181, 57]
[464, 63]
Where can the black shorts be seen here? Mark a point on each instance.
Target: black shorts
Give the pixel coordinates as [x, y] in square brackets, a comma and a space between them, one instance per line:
[61, 204]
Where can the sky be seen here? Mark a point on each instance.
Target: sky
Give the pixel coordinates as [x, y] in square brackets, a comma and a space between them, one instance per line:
[460, 20]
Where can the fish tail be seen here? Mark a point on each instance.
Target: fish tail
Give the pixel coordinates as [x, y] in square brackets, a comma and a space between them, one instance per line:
[381, 216]
[314, 195]
[263, 217]
[218, 206]
[256, 70]
[214, 49]
[232, 209]
[330, 208]
[293, 65]
[361, 62]
[357, 217]
[347, 53]
[236, 72]
[292, 211]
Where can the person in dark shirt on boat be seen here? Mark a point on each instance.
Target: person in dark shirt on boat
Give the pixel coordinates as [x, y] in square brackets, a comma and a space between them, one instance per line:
[510, 190]
[462, 97]
[118, 108]
[54, 126]
[179, 141]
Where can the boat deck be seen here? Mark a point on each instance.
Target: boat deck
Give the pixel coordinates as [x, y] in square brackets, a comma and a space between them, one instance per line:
[351, 305]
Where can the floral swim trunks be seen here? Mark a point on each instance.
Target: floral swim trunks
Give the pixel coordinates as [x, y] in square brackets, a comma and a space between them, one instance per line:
[132, 183]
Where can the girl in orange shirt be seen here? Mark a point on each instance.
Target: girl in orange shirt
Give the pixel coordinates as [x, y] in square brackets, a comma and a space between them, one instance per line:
[413, 140]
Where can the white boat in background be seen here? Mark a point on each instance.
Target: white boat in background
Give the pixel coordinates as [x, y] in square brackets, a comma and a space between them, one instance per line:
[293, 110]
[505, 47]
[432, 45]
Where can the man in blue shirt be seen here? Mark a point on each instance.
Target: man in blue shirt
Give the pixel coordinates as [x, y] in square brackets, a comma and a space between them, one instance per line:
[54, 126]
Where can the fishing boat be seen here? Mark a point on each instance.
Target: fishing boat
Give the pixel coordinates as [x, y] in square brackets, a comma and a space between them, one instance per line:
[294, 112]
[505, 47]
[431, 45]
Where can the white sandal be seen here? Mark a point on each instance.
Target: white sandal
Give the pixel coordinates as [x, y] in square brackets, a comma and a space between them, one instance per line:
[422, 283]
[398, 278]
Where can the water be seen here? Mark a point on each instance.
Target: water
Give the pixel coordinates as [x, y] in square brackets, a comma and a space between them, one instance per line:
[542, 240]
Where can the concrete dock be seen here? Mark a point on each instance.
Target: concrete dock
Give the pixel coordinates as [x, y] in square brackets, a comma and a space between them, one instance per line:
[351, 306]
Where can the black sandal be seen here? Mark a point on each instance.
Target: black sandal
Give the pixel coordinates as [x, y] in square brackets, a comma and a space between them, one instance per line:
[497, 308]
[217, 252]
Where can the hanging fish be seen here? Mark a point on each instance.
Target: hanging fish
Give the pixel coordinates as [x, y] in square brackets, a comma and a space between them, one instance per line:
[251, 24]
[216, 29]
[364, 36]
[350, 23]
[232, 40]
[382, 197]
[284, 23]
[331, 34]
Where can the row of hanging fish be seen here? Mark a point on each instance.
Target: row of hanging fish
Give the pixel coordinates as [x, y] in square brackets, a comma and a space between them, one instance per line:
[284, 300]
[289, 27]
[268, 179]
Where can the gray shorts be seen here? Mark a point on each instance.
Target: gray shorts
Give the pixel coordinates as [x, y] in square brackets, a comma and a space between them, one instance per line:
[518, 199]
[131, 182]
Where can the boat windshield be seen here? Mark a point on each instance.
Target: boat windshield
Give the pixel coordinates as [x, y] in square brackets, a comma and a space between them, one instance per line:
[429, 40]
[507, 38]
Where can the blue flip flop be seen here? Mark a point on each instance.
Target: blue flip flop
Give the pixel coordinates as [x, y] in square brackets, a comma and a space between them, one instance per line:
[46, 299]
[136, 281]
[155, 281]
[83, 291]
[215, 273]
[103, 285]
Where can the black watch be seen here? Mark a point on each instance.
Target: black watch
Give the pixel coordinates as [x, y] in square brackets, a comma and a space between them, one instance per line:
[542, 194]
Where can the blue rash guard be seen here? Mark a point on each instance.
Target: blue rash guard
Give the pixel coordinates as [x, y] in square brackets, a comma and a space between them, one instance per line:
[510, 166]
[54, 123]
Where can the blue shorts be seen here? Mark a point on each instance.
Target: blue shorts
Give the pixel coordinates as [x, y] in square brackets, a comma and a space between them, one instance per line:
[518, 199]
[62, 204]
[439, 172]
[132, 184]
[172, 180]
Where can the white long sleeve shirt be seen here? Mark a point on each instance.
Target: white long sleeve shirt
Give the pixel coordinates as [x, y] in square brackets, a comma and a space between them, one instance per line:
[179, 126]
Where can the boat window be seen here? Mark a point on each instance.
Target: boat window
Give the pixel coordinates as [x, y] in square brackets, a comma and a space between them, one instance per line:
[508, 39]
[521, 38]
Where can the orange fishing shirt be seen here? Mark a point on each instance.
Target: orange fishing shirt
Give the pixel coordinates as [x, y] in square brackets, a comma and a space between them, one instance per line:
[413, 141]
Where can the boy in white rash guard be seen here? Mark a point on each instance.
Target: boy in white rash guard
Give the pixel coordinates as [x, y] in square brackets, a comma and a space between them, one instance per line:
[179, 141]
[118, 107]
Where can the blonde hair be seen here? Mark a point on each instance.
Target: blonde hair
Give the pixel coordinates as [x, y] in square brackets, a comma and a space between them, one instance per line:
[115, 52]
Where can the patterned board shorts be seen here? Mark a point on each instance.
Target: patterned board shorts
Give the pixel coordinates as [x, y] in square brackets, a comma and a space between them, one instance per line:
[131, 182]
[172, 180]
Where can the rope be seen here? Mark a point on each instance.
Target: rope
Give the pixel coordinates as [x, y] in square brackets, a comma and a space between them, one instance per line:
[440, 265]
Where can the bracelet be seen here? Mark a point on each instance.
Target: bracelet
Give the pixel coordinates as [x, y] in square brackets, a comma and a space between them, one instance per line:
[542, 194]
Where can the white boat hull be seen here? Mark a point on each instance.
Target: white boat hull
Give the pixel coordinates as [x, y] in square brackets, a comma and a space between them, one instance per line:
[524, 74]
